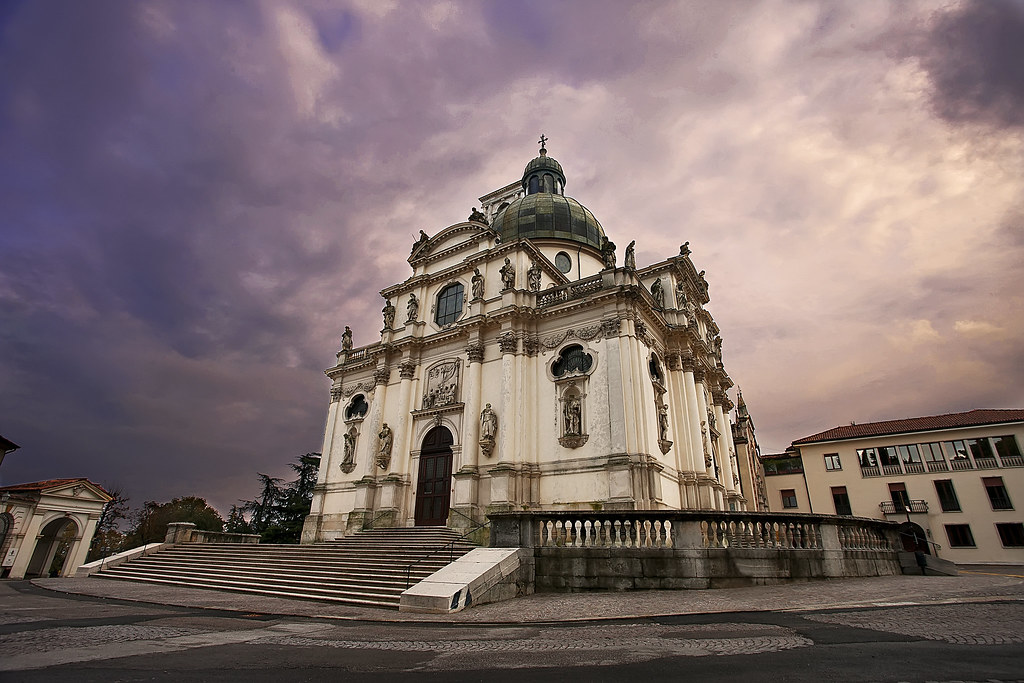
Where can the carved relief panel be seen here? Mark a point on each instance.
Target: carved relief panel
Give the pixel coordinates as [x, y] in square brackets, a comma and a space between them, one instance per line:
[442, 385]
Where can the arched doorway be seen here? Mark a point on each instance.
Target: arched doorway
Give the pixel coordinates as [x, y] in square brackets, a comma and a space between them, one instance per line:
[53, 548]
[913, 538]
[434, 484]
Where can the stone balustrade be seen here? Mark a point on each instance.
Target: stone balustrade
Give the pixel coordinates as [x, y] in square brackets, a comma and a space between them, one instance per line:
[694, 549]
[186, 532]
[573, 290]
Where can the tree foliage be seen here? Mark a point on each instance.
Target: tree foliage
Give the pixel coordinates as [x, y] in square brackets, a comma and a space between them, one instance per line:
[108, 538]
[279, 512]
[151, 522]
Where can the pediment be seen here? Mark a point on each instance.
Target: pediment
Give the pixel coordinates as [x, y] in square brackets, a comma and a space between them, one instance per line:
[466, 233]
[79, 490]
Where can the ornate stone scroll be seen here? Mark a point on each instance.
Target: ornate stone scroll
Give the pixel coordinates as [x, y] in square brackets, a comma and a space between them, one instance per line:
[610, 327]
[475, 352]
[381, 375]
[336, 393]
[442, 385]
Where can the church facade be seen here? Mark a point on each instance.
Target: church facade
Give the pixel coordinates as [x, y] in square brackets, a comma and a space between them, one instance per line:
[523, 367]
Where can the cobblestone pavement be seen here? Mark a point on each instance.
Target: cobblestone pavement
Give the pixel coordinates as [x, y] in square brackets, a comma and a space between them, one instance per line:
[974, 624]
[996, 584]
[56, 635]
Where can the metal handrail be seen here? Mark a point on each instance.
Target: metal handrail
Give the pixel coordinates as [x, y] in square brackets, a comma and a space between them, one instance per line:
[933, 544]
[450, 546]
[367, 526]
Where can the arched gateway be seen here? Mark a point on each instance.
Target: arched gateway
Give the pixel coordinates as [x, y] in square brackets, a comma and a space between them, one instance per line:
[434, 483]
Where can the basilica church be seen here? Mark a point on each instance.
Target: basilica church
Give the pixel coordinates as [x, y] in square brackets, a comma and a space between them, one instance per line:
[528, 364]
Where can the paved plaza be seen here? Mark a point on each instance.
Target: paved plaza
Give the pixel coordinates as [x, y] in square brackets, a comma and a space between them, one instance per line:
[906, 628]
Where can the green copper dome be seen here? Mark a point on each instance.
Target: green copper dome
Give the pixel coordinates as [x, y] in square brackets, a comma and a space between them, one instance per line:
[548, 215]
[545, 211]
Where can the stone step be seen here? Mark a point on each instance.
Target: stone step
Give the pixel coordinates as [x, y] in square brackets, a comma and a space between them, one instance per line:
[382, 588]
[355, 598]
[370, 569]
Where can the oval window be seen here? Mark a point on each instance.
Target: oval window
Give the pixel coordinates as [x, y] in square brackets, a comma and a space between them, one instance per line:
[563, 262]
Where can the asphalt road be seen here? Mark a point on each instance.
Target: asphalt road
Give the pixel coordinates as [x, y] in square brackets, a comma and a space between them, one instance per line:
[46, 636]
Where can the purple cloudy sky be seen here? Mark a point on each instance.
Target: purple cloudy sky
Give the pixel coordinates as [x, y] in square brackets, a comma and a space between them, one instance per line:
[196, 197]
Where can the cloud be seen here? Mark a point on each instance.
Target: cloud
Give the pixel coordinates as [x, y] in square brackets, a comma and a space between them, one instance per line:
[198, 197]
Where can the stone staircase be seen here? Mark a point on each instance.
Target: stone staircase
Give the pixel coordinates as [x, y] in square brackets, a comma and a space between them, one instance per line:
[368, 569]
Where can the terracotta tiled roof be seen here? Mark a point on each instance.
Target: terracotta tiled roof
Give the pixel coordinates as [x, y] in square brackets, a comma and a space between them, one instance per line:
[971, 418]
[48, 484]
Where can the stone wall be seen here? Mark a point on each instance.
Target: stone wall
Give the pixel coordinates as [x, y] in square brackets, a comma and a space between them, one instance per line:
[698, 549]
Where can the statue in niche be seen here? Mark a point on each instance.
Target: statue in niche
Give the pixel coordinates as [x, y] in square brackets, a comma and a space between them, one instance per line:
[533, 276]
[346, 339]
[663, 421]
[348, 463]
[477, 217]
[658, 293]
[717, 344]
[608, 252]
[477, 284]
[629, 261]
[412, 308]
[573, 413]
[389, 314]
[680, 294]
[488, 430]
[387, 438]
[508, 275]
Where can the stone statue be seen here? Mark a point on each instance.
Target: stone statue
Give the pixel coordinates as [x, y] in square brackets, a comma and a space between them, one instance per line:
[680, 294]
[533, 277]
[508, 275]
[412, 308]
[663, 421]
[346, 339]
[488, 423]
[389, 314]
[384, 450]
[421, 241]
[348, 463]
[477, 217]
[630, 258]
[478, 284]
[684, 249]
[608, 253]
[658, 293]
[573, 416]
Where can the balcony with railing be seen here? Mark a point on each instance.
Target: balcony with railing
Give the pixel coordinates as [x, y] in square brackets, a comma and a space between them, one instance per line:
[889, 507]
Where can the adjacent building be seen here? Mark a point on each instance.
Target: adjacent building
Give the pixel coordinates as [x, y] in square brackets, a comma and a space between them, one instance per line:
[955, 481]
[46, 526]
[523, 366]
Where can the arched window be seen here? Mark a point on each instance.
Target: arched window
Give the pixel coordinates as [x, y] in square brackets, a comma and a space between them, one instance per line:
[449, 304]
[357, 408]
[549, 183]
[573, 359]
[534, 185]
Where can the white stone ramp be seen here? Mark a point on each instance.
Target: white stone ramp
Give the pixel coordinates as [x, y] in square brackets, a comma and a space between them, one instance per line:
[481, 575]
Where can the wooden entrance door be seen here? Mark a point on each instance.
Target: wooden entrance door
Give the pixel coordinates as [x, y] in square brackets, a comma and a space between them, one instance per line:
[434, 484]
